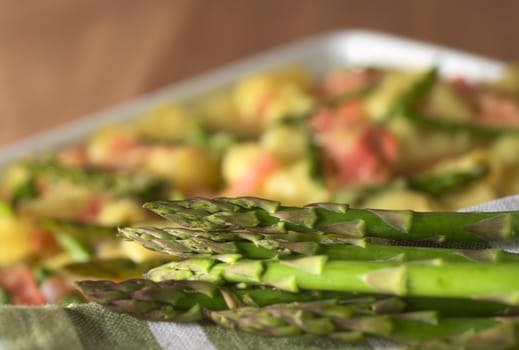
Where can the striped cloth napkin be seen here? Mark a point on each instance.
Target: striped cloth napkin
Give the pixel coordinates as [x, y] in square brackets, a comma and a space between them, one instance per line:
[89, 326]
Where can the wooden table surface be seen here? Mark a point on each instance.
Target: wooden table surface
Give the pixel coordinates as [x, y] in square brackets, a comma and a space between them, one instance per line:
[62, 59]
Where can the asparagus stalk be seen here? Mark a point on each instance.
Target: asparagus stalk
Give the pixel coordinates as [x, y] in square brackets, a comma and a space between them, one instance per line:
[408, 105]
[184, 301]
[89, 234]
[434, 184]
[80, 240]
[275, 313]
[262, 215]
[139, 185]
[185, 243]
[170, 300]
[438, 184]
[434, 278]
[343, 322]
[115, 268]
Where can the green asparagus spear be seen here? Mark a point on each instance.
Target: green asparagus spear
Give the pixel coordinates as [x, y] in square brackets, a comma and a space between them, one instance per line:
[171, 299]
[89, 234]
[185, 243]
[434, 278]
[264, 215]
[343, 322]
[115, 268]
[5, 298]
[433, 184]
[184, 301]
[446, 182]
[80, 240]
[139, 185]
[26, 190]
[408, 107]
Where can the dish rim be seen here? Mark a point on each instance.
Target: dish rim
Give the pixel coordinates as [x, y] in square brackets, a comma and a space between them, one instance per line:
[355, 46]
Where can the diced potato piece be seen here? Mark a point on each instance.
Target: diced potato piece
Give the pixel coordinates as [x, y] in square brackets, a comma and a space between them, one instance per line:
[509, 82]
[286, 142]
[127, 249]
[166, 122]
[399, 198]
[189, 167]
[217, 111]
[247, 90]
[110, 250]
[264, 98]
[444, 102]
[250, 93]
[57, 261]
[11, 178]
[506, 159]
[418, 148]
[290, 101]
[115, 147]
[238, 160]
[64, 201]
[505, 149]
[15, 236]
[297, 75]
[508, 182]
[293, 186]
[472, 195]
[120, 211]
[138, 253]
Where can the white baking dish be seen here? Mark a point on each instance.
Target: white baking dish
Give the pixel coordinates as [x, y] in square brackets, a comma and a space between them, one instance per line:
[319, 53]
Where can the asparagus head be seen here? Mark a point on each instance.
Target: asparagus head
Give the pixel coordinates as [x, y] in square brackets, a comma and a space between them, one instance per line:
[261, 215]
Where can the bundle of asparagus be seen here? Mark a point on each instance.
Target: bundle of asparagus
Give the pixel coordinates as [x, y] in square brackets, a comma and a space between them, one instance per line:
[428, 280]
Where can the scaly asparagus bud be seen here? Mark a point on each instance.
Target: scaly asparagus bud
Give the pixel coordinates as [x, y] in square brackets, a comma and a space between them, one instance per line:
[187, 243]
[341, 321]
[263, 215]
[183, 301]
[139, 185]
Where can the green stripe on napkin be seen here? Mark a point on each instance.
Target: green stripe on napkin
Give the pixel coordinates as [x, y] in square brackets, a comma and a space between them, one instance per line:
[87, 326]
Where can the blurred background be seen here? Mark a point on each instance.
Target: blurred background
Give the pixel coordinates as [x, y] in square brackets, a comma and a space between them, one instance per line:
[62, 59]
